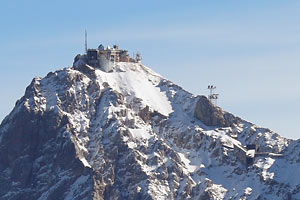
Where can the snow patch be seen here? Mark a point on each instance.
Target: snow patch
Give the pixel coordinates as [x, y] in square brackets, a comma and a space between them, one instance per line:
[248, 191]
[265, 164]
[142, 133]
[190, 168]
[139, 84]
[85, 162]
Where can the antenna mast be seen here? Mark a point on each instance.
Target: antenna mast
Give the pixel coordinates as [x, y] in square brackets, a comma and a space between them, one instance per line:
[212, 96]
[85, 44]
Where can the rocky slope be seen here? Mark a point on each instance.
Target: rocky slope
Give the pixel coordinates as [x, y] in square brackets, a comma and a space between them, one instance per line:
[81, 133]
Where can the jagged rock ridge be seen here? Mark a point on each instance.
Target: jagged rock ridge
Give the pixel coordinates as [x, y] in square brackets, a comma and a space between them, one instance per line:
[81, 133]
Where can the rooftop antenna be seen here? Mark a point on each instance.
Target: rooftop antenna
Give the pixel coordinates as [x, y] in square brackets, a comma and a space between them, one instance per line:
[213, 97]
[85, 44]
[138, 57]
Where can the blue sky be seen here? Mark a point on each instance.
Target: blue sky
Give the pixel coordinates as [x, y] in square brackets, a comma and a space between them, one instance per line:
[249, 49]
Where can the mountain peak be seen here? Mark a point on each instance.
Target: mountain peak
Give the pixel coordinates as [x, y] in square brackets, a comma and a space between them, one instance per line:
[123, 131]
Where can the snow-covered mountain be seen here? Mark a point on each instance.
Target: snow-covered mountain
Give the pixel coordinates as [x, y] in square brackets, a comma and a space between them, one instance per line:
[81, 133]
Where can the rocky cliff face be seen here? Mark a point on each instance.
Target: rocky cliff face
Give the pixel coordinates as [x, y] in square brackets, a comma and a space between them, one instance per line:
[80, 133]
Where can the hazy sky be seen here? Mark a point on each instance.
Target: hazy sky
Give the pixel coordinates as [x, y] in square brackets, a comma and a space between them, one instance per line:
[249, 49]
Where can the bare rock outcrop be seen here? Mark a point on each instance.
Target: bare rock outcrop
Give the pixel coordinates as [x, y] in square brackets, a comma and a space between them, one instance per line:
[212, 115]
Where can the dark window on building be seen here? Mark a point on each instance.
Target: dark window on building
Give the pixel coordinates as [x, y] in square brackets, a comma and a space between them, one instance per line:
[92, 54]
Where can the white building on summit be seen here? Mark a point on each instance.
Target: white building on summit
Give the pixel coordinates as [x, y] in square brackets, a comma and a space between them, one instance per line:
[105, 58]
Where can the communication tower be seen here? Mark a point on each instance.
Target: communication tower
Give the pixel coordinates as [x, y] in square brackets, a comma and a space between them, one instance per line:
[213, 97]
